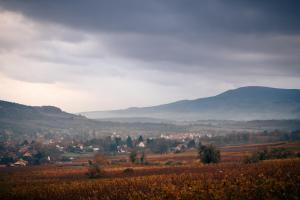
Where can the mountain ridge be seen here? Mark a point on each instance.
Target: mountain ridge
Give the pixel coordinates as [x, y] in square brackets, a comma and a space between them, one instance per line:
[244, 103]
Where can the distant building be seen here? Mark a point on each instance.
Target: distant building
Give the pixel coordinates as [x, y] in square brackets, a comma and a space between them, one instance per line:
[180, 148]
[20, 163]
[27, 154]
[96, 149]
[142, 145]
[59, 147]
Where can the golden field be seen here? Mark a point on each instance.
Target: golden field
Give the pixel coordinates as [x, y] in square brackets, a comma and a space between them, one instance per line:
[230, 179]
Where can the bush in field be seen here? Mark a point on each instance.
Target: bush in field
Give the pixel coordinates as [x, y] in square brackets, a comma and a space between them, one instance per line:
[209, 154]
[96, 167]
[280, 153]
[277, 153]
[128, 171]
[133, 156]
[254, 158]
[143, 158]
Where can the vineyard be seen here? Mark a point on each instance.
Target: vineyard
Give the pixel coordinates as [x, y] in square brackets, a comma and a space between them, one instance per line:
[269, 179]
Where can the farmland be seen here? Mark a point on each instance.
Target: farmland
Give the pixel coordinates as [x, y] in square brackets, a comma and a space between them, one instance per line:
[167, 176]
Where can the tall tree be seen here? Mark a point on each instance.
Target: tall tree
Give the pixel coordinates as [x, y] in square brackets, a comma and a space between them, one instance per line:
[129, 142]
[140, 139]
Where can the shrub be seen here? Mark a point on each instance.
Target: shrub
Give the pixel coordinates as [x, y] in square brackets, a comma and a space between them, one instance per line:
[96, 168]
[128, 171]
[209, 154]
[143, 158]
[133, 156]
[280, 153]
[277, 153]
[251, 159]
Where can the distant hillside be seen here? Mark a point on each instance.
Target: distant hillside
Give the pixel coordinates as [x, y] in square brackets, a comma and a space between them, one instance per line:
[245, 103]
[33, 120]
[21, 121]
[14, 111]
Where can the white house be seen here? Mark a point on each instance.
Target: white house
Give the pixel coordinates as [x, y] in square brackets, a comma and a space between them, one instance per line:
[141, 144]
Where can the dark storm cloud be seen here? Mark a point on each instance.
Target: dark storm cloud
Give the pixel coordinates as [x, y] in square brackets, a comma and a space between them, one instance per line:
[185, 35]
[120, 53]
[165, 16]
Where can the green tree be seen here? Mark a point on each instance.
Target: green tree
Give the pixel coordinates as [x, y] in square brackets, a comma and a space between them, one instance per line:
[191, 144]
[209, 154]
[133, 156]
[143, 158]
[160, 145]
[118, 141]
[140, 139]
[129, 142]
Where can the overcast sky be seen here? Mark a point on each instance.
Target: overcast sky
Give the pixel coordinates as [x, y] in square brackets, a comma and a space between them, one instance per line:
[84, 55]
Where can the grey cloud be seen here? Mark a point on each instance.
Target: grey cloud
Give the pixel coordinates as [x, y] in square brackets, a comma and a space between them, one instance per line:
[227, 55]
[166, 16]
[164, 42]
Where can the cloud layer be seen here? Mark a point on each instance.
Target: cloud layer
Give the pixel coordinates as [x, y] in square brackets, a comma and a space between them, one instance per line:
[94, 55]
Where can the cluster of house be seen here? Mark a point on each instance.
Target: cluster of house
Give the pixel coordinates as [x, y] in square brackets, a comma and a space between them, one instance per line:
[20, 162]
[125, 149]
[186, 135]
[24, 155]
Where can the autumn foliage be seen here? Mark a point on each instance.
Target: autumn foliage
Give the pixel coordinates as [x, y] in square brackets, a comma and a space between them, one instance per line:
[272, 179]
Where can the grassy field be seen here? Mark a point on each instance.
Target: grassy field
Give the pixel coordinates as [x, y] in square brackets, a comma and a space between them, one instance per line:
[230, 179]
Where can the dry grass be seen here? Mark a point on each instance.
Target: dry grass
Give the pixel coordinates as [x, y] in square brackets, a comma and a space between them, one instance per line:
[277, 179]
[273, 179]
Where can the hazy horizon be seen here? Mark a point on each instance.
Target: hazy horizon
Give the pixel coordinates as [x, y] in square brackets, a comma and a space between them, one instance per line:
[104, 55]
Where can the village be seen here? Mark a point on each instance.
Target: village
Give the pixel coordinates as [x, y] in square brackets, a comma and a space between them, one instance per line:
[60, 149]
